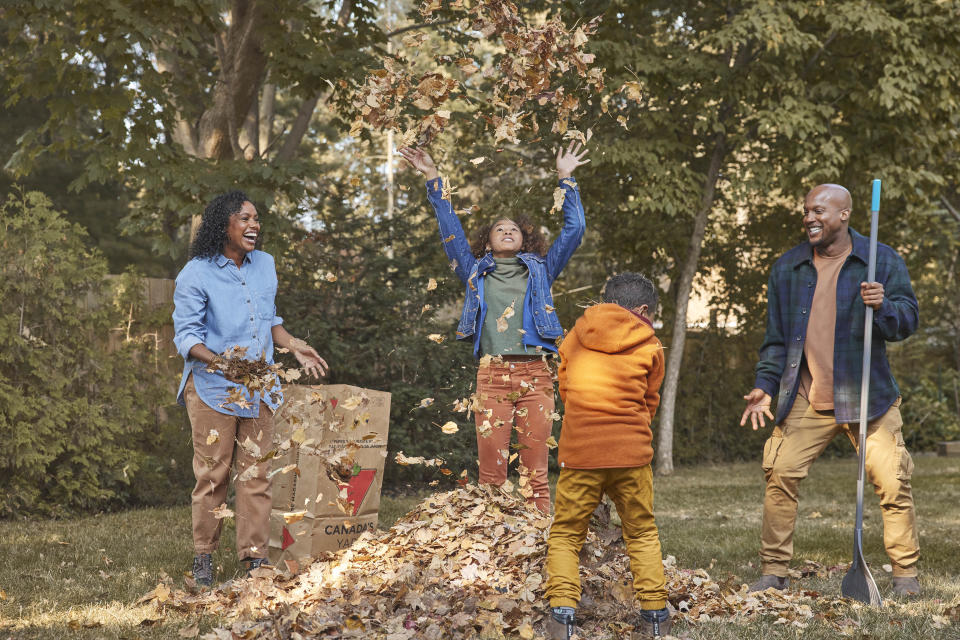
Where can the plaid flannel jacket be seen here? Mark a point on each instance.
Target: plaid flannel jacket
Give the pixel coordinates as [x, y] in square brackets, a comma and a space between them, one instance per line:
[789, 294]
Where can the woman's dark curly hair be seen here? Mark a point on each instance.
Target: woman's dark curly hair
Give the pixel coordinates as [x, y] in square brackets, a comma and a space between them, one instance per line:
[212, 234]
[533, 240]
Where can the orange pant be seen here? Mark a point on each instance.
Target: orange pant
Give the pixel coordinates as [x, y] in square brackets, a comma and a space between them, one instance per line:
[515, 395]
[211, 467]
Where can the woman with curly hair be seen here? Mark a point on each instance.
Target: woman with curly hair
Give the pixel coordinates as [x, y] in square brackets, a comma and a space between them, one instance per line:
[224, 299]
[508, 314]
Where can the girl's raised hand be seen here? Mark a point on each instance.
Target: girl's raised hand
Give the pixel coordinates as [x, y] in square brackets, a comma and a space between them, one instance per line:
[570, 159]
[421, 161]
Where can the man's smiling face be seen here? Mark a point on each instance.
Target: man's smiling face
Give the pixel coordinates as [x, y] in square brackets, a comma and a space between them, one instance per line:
[826, 212]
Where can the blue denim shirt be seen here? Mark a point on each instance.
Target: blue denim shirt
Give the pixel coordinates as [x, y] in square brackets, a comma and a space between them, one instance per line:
[789, 295]
[540, 324]
[220, 305]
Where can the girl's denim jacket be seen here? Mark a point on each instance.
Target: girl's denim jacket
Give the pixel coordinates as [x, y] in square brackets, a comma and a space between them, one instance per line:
[540, 324]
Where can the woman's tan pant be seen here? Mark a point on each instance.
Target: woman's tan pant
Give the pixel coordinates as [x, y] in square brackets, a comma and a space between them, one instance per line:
[787, 456]
[213, 457]
[515, 395]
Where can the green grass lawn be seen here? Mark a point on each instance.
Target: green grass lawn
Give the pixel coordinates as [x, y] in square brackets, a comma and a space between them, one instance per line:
[81, 578]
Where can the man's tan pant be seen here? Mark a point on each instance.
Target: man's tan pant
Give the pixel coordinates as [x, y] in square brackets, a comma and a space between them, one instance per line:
[213, 457]
[787, 456]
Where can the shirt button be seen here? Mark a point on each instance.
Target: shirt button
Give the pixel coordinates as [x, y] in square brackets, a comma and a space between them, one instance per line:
[798, 338]
[243, 282]
[803, 311]
[793, 364]
[248, 300]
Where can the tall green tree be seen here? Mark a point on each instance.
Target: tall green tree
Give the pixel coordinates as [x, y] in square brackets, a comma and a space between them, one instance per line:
[730, 110]
[187, 98]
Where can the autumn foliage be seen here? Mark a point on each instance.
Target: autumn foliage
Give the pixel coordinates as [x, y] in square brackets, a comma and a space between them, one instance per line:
[530, 68]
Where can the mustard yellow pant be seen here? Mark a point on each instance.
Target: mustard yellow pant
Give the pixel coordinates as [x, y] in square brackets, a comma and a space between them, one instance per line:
[787, 456]
[579, 491]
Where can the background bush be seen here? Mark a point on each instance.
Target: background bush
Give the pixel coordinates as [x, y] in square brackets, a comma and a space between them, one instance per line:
[77, 417]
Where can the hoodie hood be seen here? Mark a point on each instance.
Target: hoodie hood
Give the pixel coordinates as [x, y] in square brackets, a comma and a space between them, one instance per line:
[610, 328]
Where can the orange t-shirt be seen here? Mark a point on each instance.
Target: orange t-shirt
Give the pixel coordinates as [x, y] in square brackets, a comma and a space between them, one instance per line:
[816, 377]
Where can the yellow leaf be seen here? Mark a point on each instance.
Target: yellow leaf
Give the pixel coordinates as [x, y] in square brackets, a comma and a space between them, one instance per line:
[436, 337]
[450, 427]
[221, 512]
[525, 630]
[431, 284]
[213, 436]
[633, 90]
[352, 402]
[294, 516]
[559, 195]
[478, 160]
[551, 443]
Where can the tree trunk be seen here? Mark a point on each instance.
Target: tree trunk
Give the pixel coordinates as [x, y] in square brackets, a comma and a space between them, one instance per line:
[242, 66]
[267, 109]
[664, 462]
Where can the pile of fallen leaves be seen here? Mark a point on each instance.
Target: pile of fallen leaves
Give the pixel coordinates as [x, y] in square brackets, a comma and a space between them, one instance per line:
[529, 69]
[469, 564]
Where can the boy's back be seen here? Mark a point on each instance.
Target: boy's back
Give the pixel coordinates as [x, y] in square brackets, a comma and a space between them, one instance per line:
[611, 368]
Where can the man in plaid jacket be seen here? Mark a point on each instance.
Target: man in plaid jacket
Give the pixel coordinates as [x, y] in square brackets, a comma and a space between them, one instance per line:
[811, 359]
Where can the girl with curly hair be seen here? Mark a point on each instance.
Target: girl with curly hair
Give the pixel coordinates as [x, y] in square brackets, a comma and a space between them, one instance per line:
[224, 300]
[508, 315]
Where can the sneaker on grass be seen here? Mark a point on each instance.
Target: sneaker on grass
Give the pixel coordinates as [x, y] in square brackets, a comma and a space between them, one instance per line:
[907, 587]
[203, 569]
[769, 582]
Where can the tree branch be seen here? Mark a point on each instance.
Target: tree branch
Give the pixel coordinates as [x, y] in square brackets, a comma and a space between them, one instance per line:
[950, 208]
[422, 25]
[302, 122]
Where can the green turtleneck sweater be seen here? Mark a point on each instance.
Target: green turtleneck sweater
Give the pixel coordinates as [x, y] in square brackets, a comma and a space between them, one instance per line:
[504, 289]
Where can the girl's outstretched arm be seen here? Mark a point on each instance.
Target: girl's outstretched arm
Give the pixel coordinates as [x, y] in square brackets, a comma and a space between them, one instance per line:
[452, 237]
[574, 223]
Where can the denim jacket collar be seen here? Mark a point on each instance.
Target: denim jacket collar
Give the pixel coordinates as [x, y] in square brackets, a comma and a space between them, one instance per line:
[486, 264]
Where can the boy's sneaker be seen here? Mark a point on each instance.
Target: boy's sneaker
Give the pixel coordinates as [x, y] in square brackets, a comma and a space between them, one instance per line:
[561, 624]
[654, 623]
[203, 569]
[256, 563]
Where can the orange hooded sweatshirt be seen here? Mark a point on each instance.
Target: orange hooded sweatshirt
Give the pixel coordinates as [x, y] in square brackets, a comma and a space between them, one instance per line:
[611, 367]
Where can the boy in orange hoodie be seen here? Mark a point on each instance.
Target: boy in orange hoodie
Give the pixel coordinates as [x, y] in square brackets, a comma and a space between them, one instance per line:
[611, 367]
